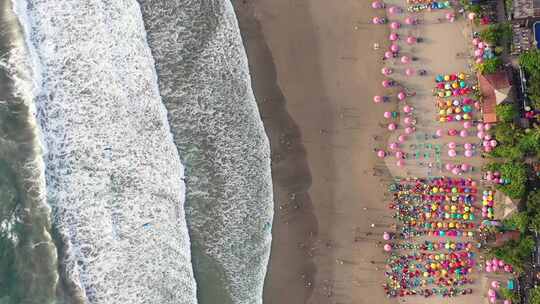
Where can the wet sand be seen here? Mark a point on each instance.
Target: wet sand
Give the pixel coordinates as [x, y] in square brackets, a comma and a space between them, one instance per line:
[314, 72]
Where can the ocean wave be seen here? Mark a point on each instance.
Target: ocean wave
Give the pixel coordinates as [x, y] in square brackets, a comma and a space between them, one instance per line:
[113, 174]
[204, 81]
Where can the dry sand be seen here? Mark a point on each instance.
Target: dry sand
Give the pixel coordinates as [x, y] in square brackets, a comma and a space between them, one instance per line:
[314, 74]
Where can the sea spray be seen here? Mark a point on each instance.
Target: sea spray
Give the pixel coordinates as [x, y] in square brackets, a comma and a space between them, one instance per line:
[113, 174]
[205, 85]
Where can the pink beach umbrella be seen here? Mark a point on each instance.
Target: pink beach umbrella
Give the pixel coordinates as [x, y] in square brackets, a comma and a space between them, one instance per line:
[399, 154]
[475, 41]
[376, 4]
[400, 163]
[392, 126]
[467, 124]
[480, 134]
[450, 16]
[408, 120]
[394, 48]
[394, 10]
[487, 127]
[495, 285]
[386, 83]
[488, 149]
[411, 40]
[387, 114]
[410, 20]
[480, 127]
[381, 154]
[468, 153]
[376, 20]
[377, 99]
[507, 302]
[402, 138]
[387, 247]
[409, 72]
[386, 236]
[405, 59]
[386, 71]
[456, 171]
[388, 54]
[492, 293]
[394, 146]
[468, 146]
[401, 95]
[449, 166]
[463, 133]
[493, 143]
[478, 52]
[481, 45]
[465, 167]
[395, 25]
[409, 130]
[452, 145]
[452, 153]
[487, 137]
[407, 109]
[439, 133]
[393, 37]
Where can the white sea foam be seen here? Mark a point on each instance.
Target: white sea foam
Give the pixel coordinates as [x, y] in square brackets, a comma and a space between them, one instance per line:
[113, 175]
[205, 85]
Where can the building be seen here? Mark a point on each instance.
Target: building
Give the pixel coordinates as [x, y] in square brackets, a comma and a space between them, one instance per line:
[495, 89]
[526, 9]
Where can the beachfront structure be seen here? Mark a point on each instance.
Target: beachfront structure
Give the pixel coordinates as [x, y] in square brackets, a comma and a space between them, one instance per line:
[526, 9]
[495, 88]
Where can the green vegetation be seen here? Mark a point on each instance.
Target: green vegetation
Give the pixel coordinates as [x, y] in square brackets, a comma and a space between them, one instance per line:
[490, 66]
[508, 294]
[518, 221]
[534, 296]
[516, 175]
[530, 62]
[497, 34]
[506, 112]
[515, 253]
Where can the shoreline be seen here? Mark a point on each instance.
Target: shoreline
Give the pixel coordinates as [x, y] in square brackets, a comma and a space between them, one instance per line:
[311, 95]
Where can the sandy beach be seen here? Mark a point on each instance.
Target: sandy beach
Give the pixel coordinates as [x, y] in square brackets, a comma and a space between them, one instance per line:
[314, 72]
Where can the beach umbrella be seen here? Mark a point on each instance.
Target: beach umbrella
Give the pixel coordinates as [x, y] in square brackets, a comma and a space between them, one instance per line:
[388, 54]
[495, 285]
[463, 133]
[481, 45]
[465, 167]
[468, 146]
[488, 149]
[377, 4]
[467, 124]
[410, 20]
[491, 293]
[493, 143]
[377, 98]
[480, 126]
[394, 48]
[507, 302]
[386, 236]
[387, 247]
[395, 25]
[399, 154]
[478, 52]
[387, 114]
[405, 59]
[449, 166]
[452, 132]
[468, 153]
[487, 137]
[475, 41]
[392, 126]
[394, 10]
[386, 83]
[381, 154]
[450, 16]
[409, 130]
[439, 133]
[409, 72]
[394, 146]
[487, 127]
[411, 40]
[407, 120]
[456, 171]
[386, 71]
[481, 134]
[407, 109]
[401, 95]
[452, 153]
[376, 20]
[393, 37]
[492, 300]
[402, 138]
[479, 60]
[452, 145]
[471, 16]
